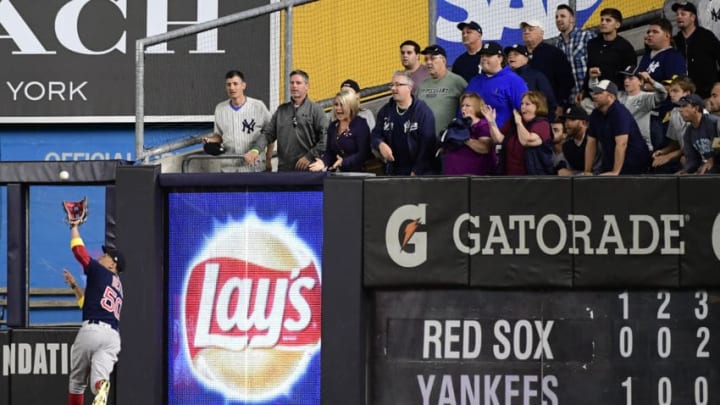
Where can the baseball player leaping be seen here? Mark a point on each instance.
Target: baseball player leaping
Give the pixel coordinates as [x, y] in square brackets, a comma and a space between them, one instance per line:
[97, 343]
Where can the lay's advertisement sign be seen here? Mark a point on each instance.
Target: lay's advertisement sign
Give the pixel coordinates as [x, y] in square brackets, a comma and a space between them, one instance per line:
[244, 297]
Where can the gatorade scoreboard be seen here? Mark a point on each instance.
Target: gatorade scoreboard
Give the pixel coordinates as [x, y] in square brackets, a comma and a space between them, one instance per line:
[244, 288]
[554, 347]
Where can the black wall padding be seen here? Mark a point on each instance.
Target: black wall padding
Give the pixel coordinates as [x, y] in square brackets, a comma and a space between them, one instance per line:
[344, 299]
[620, 198]
[140, 235]
[408, 231]
[17, 257]
[82, 171]
[110, 216]
[531, 197]
[699, 202]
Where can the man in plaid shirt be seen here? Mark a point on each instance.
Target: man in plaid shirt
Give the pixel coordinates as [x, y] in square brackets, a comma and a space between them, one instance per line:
[573, 41]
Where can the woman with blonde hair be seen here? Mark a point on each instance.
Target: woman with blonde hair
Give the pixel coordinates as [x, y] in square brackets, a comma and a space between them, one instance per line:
[477, 154]
[348, 137]
[526, 150]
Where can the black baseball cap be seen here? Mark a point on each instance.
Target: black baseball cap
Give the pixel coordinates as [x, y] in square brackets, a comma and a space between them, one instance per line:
[522, 49]
[352, 84]
[575, 112]
[434, 50]
[471, 24]
[692, 99]
[491, 48]
[116, 256]
[685, 5]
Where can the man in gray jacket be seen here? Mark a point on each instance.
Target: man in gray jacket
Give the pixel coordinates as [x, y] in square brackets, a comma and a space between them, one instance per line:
[299, 126]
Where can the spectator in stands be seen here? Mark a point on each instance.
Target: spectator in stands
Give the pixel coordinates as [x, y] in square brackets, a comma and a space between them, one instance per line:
[477, 156]
[239, 122]
[576, 126]
[559, 137]
[410, 59]
[709, 15]
[608, 53]
[498, 85]
[712, 104]
[573, 41]
[640, 103]
[442, 90]
[698, 136]
[405, 131]
[527, 148]
[299, 126]
[518, 57]
[662, 62]
[549, 60]
[348, 137]
[467, 64]
[354, 88]
[613, 127]
[699, 47]
[668, 158]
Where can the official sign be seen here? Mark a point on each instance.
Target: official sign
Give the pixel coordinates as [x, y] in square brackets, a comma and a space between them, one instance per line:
[74, 61]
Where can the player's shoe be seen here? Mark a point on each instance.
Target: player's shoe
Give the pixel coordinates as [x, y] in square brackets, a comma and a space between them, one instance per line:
[102, 393]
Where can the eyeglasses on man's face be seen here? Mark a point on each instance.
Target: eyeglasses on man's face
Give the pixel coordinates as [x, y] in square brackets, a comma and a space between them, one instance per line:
[396, 84]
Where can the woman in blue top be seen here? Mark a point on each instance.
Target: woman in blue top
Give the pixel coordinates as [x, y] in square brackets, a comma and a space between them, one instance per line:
[348, 137]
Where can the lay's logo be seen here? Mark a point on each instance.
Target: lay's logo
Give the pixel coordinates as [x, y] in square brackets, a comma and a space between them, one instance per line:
[251, 309]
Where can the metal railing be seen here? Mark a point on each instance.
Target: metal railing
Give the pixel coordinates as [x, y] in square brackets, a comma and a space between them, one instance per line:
[141, 44]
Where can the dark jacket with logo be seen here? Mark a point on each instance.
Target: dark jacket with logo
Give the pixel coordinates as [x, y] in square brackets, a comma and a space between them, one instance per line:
[410, 135]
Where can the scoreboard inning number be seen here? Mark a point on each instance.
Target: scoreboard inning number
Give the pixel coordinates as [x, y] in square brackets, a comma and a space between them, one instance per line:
[664, 345]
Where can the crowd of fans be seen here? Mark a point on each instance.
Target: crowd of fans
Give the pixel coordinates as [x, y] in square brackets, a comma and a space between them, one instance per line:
[578, 103]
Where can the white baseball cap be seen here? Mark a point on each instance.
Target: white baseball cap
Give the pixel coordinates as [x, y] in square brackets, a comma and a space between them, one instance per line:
[532, 23]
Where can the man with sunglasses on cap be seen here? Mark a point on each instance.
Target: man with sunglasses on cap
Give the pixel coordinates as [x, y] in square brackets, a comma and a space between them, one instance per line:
[97, 344]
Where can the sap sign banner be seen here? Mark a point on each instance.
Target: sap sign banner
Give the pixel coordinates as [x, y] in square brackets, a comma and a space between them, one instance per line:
[74, 61]
[408, 223]
[244, 288]
[500, 20]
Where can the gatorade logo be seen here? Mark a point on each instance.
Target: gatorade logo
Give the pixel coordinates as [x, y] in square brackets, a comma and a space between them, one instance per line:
[251, 309]
[405, 243]
[716, 237]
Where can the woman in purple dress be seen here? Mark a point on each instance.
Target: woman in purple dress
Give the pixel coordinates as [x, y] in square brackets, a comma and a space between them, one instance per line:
[348, 137]
[477, 155]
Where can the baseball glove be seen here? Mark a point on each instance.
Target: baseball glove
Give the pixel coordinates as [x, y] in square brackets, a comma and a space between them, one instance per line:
[76, 212]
